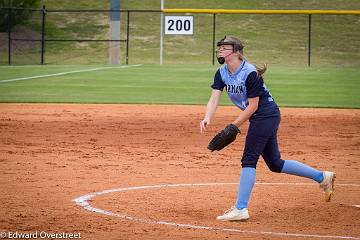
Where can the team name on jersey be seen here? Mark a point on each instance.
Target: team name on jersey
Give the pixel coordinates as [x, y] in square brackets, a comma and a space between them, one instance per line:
[234, 88]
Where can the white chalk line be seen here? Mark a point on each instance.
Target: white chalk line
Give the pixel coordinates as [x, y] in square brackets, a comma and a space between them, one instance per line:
[65, 73]
[83, 202]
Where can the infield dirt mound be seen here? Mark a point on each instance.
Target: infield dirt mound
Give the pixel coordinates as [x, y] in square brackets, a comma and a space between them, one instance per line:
[53, 153]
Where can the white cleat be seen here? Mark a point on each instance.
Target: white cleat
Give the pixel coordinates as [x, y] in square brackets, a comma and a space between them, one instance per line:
[328, 184]
[234, 214]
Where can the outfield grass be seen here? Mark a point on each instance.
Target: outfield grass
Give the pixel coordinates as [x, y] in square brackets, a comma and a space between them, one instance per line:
[185, 84]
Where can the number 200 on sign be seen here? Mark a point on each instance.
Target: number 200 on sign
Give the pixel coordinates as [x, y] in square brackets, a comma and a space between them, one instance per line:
[182, 25]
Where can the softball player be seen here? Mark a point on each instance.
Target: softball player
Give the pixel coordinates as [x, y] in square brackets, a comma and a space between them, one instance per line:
[246, 89]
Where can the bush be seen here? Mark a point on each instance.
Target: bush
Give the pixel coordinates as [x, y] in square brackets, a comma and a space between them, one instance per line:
[17, 16]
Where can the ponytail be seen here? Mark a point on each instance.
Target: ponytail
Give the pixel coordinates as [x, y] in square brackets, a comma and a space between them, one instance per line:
[261, 69]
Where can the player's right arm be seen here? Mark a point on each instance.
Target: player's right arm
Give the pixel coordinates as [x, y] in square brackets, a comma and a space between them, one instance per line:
[210, 109]
[217, 88]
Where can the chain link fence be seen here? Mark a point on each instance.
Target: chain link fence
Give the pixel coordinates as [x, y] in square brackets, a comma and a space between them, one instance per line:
[82, 37]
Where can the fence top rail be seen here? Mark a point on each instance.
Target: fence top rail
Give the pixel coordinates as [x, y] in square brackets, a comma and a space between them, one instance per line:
[253, 11]
[19, 8]
[81, 10]
[209, 11]
[100, 10]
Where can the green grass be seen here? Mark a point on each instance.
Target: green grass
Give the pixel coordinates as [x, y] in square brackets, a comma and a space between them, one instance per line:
[278, 40]
[184, 84]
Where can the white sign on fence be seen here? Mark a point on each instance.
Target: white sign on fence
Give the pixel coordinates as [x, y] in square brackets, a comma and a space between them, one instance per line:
[180, 25]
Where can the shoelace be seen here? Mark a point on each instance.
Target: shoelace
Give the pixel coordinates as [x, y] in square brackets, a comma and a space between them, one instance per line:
[326, 184]
[229, 210]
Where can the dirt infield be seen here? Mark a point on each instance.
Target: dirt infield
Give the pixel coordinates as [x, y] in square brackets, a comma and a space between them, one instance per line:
[51, 154]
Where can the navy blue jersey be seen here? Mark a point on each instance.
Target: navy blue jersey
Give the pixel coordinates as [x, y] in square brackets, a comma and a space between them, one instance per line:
[243, 84]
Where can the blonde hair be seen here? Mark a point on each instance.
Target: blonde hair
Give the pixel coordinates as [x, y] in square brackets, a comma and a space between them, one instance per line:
[261, 69]
[238, 47]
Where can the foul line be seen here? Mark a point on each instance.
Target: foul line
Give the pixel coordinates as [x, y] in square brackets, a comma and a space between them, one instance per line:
[65, 73]
[83, 201]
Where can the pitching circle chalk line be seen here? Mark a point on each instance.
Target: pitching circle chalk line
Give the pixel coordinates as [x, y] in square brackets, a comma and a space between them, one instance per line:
[83, 201]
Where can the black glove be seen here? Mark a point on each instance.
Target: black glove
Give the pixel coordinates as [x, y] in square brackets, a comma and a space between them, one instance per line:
[224, 138]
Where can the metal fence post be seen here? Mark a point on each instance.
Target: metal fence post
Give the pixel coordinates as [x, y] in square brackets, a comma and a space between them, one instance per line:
[213, 48]
[43, 36]
[9, 36]
[309, 42]
[127, 37]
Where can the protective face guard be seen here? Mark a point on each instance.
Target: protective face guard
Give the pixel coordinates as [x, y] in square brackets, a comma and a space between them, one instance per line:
[236, 45]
